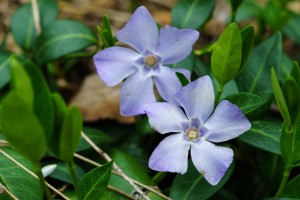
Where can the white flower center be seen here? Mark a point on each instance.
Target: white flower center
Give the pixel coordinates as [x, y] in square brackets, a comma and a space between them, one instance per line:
[192, 134]
[150, 61]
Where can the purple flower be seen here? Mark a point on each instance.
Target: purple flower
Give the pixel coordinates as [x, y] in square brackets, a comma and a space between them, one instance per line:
[145, 65]
[196, 127]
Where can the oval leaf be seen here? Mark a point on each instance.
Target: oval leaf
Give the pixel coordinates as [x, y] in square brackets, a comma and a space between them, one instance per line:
[264, 135]
[227, 55]
[246, 102]
[21, 128]
[192, 13]
[247, 38]
[291, 190]
[192, 185]
[61, 38]
[94, 183]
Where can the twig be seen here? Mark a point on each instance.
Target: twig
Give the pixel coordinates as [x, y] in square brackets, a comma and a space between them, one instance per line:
[36, 16]
[4, 189]
[116, 167]
[120, 192]
[32, 174]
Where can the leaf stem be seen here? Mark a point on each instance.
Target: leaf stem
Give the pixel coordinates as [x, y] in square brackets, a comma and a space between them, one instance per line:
[285, 177]
[42, 181]
[218, 95]
[72, 170]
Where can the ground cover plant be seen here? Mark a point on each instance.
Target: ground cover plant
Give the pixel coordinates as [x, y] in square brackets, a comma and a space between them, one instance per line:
[190, 109]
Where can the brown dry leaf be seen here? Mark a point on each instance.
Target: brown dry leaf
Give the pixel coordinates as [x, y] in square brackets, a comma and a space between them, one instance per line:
[98, 101]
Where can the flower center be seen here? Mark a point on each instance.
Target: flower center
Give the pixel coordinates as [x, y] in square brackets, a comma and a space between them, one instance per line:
[150, 61]
[192, 134]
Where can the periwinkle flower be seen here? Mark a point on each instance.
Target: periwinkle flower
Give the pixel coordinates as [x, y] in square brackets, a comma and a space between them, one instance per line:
[146, 64]
[197, 125]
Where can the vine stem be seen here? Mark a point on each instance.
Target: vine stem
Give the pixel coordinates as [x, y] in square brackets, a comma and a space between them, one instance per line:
[32, 174]
[42, 181]
[218, 95]
[285, 177]
[115, 166]
[72, 170]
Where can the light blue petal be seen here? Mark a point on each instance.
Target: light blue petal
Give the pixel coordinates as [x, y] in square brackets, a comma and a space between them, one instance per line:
[168, 84]
[136, 91]
[171, 155]
[140, 32]
[197, 98]
[115, 63]
[211, 161]
[165, 117]
[175, 44]
[226, 122]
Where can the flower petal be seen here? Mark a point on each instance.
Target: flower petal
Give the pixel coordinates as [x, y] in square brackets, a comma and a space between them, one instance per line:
[197, 98]
[211, 161]
[168, 84]
[165, 117]
[175, 44]
[171, 155]
[140, 32]
[226, 122]
[136, 91]
[115, 63]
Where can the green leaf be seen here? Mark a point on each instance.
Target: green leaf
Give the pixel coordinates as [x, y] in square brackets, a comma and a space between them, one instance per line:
[227, 55]
[18, 181]
[192, 185]
[246, 102]
[21, 128]
[61, 38]
[5, 59]
[247, 35]
[94, 183]
[255, 78]
[105, 33]
[183, 80]
[285, 67]
[235, 4]
[187, 63]
[280, 100]
[22, 24]
[295, 73]
[291, 96]
[291, 190]
[70, 134]
[263, 135]
[291, 29]
[192, 13]
[247, 10]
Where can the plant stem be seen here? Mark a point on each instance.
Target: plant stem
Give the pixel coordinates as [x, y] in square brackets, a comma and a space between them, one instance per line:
[42, 181]
[218, 95]
[158, 176]
[72, 170]
[285, 177]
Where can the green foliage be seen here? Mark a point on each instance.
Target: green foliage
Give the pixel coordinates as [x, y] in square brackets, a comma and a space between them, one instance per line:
[227, 55]
[192, 13]
[255, 78]
[263, 135]
[94, 183]
[183, 80]
[105, 33]
[19, 182]
[247, 35]
[22, 23]
[246, 102]
[291, 29]
[22, 128]
[5, 59]
[61, 38]
[292, 188]
[192, 185]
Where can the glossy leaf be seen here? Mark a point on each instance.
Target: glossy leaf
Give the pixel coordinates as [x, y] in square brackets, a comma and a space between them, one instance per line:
[285, 67]
[18, 181]
[291, 190]
[192, 13]
[61, 38]
[264, 135]
[21, 128]
[5, 59]
[246, 102]
[22, 24]
[227, 55]
[94, 183]
[247, 35]
[70, 134]
[292, 97]
[192, 185]
[280, 100]
[255, 78]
